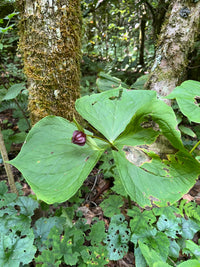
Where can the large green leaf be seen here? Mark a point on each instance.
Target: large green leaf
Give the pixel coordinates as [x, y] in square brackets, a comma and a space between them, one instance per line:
[186, 95]
[155, 111]
[160, 182]
[111, 111]
[53, 166]
[157, 181]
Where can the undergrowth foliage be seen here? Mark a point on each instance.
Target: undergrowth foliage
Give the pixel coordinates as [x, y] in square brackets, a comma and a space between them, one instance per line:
[158, 235]
[13, 93]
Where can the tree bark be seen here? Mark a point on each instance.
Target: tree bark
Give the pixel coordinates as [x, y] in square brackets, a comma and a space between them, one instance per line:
[50, 42]
[176, 40]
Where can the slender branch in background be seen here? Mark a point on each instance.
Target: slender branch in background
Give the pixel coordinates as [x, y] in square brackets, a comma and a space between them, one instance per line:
[24, 114]
[152, 10]
[93, 8]
[9, 173]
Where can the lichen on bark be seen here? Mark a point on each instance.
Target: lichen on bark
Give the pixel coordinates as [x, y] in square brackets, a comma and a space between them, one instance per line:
[50, 42]
[176, 40]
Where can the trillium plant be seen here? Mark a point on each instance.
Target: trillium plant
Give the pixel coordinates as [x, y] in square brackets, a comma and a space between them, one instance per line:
[154, 166]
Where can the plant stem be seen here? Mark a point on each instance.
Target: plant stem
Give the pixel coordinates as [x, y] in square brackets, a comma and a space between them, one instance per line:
[9, 173]
[129, 202]
[23, 113]
[102, 139]
[198, 143]
[172, 261]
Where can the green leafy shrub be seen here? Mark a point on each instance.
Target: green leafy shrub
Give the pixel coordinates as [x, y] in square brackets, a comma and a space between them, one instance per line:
[68, 246]
[153, 165]
[160, 234]
[17, 237]
[13, 94]
[15, 98]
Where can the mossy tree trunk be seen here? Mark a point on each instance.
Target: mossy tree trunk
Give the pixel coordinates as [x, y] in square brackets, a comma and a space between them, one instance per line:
[50, 42]
[175, 41]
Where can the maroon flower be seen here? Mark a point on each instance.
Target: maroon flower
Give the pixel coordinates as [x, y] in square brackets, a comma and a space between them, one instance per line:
[79, 138]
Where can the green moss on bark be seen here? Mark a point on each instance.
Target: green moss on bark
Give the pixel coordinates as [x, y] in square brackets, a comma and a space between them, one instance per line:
[50, 41]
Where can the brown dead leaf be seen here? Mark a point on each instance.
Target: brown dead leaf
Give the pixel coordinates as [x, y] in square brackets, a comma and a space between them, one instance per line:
[87, 213]
[188, 197]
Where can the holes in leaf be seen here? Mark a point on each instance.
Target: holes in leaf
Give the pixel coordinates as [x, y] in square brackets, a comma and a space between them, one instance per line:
[87, 158]
[117, 97]
[165, 169]
[197, 100]
[17, 207]
[117, 238]
[18, 233]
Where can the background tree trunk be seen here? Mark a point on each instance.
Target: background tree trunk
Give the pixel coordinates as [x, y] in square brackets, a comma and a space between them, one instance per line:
[158, 15]
[142, 40]
[175, 42]
[50, 41]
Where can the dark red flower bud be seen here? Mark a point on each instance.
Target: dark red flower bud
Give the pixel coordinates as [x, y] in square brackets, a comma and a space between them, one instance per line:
[79, 138]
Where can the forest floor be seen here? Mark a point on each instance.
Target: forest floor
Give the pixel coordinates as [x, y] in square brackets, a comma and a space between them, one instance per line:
[96, 184]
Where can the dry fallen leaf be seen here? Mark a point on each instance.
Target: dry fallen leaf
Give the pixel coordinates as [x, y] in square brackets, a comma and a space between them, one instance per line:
[188, 197]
